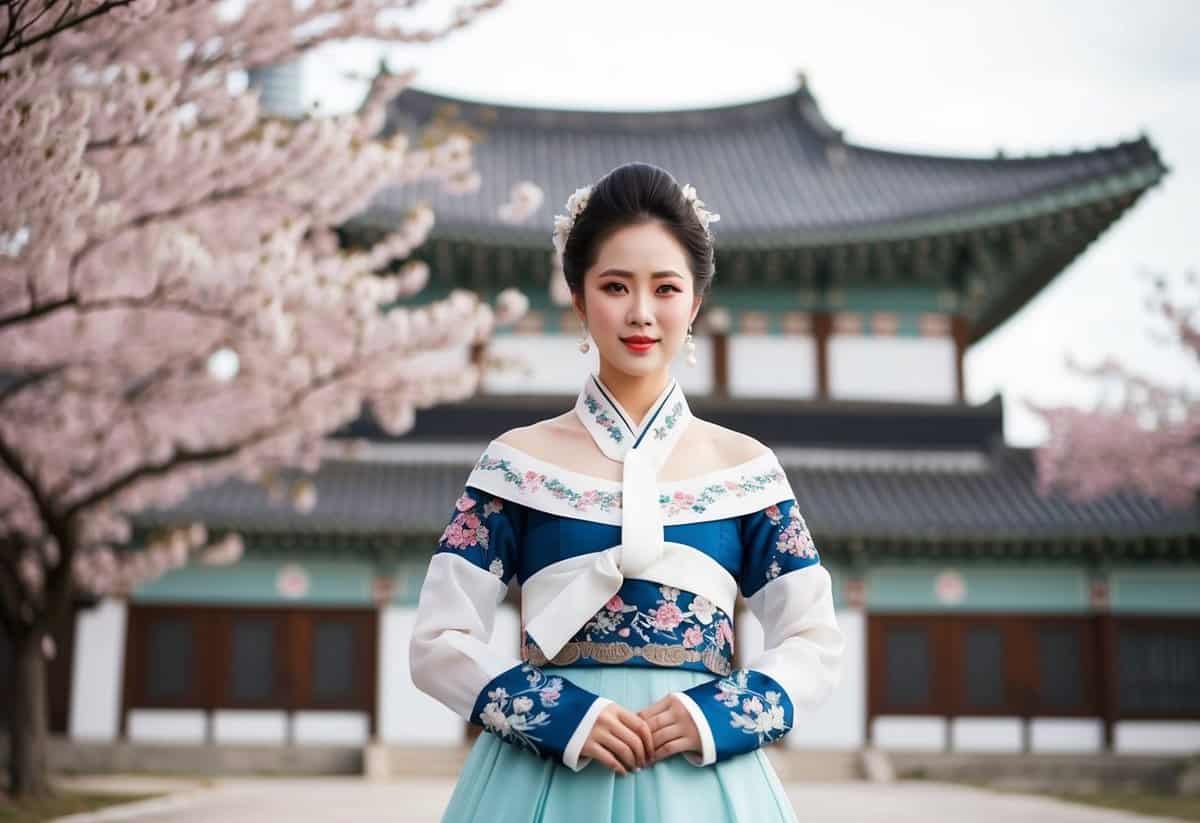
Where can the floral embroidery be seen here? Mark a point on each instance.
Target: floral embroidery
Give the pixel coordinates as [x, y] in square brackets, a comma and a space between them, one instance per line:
[497, 568]
[601, 417]
[691, 624]
[511, 716]
[681, 501]
[760, 714]
[660, 432]
[794, 538]
[467, 529]
[532, 481]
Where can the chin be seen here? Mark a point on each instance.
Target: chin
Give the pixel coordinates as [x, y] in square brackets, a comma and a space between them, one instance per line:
[636, 366]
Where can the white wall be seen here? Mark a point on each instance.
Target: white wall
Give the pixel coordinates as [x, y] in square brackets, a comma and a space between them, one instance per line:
[96, 677]
[891, 368]
[168, 725]
[1157, 736]
[763, 365]
[249, 726]
[1066, 734]
[911, 732]
[985, 734]
[330, 727]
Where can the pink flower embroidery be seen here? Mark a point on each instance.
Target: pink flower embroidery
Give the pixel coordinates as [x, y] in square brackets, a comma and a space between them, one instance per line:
[772, 513]
[692, 637]
[795, 538]
[532, 481]
[667, 617]
[725, 634]
[615, 604]
[623, 632]
[465, 531]
[465, 502]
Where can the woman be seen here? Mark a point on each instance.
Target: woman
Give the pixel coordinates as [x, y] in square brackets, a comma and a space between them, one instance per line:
[631, 526]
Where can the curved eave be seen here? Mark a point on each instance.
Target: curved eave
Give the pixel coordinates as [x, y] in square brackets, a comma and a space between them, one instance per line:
[957, 221]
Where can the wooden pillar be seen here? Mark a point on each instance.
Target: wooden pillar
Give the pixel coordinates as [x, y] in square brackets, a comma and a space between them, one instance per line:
[477, 356]
[960, 330]
[720, 364]
[1106, 631]
[822, 327]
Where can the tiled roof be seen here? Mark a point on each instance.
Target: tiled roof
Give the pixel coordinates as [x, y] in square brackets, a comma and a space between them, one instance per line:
[918, 502]
[774, 169]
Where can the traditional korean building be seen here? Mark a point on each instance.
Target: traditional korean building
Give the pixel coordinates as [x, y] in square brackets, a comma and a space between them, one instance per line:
[980, 616]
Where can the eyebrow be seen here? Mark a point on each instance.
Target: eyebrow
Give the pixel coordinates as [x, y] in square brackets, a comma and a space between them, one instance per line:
[624, 273]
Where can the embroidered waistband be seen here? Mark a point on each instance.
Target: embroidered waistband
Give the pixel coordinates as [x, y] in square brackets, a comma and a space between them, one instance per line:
[674, 656]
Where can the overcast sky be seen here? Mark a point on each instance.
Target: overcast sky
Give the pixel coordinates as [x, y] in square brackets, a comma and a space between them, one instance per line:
[956, 78]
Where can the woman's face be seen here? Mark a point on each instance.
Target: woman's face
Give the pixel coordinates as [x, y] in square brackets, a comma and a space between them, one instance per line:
[640, 286]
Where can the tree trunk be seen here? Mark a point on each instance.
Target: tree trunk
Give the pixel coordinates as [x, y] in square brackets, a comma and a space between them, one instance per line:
[27, 719]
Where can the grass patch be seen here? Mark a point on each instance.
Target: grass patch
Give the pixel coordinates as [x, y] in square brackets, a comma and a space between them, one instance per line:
[1160, 805]
[59, 804]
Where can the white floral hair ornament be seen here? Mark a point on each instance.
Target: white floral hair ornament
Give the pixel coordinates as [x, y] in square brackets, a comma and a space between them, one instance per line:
[578, 201]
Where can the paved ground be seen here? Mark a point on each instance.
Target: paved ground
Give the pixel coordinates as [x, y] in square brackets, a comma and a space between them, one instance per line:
[353, 799]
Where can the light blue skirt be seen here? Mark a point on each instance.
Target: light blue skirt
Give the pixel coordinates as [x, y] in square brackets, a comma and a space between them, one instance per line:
[504, 783]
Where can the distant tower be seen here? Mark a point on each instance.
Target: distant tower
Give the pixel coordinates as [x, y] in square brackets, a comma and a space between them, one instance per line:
[282, 88]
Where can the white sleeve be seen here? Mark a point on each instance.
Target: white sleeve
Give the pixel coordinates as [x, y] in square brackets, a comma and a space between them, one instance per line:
[451, 660]
[791, 594]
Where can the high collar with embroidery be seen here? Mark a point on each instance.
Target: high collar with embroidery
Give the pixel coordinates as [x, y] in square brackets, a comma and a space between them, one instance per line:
[612, 428]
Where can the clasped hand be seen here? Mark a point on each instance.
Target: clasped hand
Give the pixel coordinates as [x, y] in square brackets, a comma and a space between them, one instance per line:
[625, 741]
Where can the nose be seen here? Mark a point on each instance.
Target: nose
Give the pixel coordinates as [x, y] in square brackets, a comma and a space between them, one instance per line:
[639, 312]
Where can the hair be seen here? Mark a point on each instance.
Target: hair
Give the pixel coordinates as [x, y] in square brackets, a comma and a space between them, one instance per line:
[629, 195]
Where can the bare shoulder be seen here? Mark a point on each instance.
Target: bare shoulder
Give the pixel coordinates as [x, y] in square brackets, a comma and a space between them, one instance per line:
[545, 438]
[734, 447]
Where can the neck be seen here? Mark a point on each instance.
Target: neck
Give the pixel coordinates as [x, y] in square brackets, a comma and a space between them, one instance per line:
[636, 394]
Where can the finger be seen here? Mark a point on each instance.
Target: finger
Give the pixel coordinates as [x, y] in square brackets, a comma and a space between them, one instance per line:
[640, 728]
[658, 719]
[618, 747]
[646, 734]
[634, 742]
[679, 744]
[658, 705]
[667, 734]
[598, 752]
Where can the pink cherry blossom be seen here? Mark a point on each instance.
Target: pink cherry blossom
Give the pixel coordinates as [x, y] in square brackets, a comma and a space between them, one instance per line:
[692, 637]
[176, 308]
[615, 603]
[1146, 438]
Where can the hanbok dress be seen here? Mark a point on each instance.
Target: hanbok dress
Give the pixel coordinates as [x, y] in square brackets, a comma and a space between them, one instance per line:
[627, 594]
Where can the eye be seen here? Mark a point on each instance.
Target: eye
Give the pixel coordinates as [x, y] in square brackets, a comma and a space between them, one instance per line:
[672, 288]
[611, 283]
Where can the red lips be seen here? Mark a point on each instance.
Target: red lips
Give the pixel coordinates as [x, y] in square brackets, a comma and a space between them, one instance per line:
[638, 343]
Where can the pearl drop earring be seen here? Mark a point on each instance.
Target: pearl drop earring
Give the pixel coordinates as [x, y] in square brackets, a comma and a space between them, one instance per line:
[584, 345]
[691, 347]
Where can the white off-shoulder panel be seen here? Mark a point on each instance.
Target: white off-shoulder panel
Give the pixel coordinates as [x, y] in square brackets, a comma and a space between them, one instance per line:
[513, 474]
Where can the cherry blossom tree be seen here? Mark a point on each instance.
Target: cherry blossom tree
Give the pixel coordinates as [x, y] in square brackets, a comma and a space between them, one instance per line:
[175, 309]
[1146, 437]
[26, 23]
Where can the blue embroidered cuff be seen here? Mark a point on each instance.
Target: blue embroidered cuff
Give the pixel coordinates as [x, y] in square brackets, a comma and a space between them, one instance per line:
[525, 706]
[745, 710]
